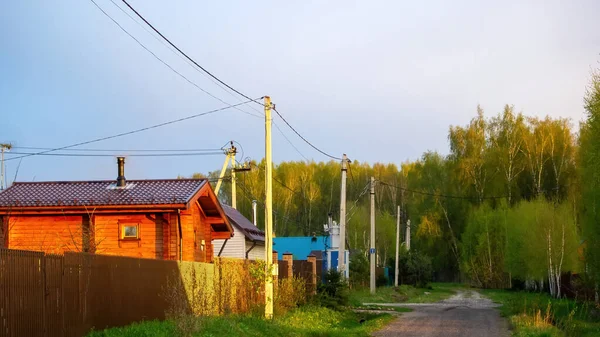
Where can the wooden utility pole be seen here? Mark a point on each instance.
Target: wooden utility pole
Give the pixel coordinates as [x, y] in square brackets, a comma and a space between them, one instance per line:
[342, 246]
[372, 250]
[397, 246]
[268, 212]
[407, 240]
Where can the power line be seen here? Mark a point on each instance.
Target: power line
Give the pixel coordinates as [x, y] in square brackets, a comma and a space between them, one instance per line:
[209, 74]
[116, 154]
[439, 194]
[165, 63]
[289, 141]
[184, 54]
[220, 81]
[186, 61]
[135, 131]
[121, 150]
[302, 137]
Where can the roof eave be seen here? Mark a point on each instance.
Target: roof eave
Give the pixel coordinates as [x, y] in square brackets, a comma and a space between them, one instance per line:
[87, 208]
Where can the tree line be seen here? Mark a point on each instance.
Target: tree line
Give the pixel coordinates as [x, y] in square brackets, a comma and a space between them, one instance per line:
[516, 199]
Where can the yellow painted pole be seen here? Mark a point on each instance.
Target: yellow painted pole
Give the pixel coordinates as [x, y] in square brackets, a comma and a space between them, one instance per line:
[222, 175]
[268, 212]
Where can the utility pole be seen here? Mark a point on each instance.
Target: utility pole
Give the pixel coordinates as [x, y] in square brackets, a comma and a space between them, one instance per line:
[233, 165]
[229, 153]
[397, 246]
[372, 250]
[254, 215]
[407, 235]
[268, 211]
[3, 147]
[342, 247]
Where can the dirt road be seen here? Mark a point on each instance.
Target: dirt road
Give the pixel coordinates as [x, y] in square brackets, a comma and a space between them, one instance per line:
[466, 314]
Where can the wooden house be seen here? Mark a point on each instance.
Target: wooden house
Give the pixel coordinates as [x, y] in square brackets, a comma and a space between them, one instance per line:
[171, 219]
[248, 242]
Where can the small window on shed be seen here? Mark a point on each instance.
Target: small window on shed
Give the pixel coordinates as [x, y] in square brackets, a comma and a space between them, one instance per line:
[130, 231]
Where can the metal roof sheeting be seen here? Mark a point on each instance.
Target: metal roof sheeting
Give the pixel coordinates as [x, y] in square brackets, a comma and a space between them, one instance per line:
[100, 193]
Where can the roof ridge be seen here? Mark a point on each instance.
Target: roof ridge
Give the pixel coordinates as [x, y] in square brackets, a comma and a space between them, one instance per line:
[101, 181]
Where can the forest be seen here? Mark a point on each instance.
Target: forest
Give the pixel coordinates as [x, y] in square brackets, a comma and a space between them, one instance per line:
[516, 199]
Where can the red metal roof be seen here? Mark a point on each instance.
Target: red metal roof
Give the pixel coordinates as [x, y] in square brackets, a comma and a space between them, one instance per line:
[100, 193]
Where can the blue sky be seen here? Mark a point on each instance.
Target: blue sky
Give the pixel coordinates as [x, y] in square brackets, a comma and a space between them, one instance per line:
[379, 80]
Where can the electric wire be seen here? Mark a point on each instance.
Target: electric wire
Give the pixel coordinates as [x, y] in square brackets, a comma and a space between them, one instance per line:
[209, 74]
[222, 82]
[304, 139]
[163, 62]
[161, 41]
[116, 154]
[289, 141]
[119, 150]
[439, 195]
[184, 54]
[134, 131]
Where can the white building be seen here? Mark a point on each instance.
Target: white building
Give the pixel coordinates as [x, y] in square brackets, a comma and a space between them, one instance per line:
[248, 242]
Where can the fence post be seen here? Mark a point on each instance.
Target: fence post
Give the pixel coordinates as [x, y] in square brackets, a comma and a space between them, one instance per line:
[313, 263]
[289, 259]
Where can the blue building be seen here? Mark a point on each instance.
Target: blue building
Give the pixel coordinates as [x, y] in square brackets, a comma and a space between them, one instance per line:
[325, 248]
[301, 246]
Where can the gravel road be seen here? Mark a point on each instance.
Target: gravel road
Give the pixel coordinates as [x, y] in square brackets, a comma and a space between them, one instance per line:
[466, 314]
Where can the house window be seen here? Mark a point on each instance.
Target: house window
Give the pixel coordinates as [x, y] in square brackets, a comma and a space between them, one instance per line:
[130, 231]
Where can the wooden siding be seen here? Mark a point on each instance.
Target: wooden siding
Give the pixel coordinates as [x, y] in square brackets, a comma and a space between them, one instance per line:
[195, 230]
[235, 247]
[258, 252]
[51, 234]
[149, 245]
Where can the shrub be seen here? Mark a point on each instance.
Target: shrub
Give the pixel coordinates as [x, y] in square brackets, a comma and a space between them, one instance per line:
[289, 294]
[333, 292]
[415, 269]
[359, 269]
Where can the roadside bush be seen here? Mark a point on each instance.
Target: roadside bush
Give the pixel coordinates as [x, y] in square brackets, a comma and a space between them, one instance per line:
[289, 294]
[415, 269]
[333, 293]
[359, 270]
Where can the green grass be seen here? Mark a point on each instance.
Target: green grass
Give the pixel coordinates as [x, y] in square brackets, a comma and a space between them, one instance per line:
[404, 294]
[306, 321]
[536, 314]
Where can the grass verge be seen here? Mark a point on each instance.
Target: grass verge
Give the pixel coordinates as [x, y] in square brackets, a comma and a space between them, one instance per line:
[304, 321]
[537, 314]
[404, 294]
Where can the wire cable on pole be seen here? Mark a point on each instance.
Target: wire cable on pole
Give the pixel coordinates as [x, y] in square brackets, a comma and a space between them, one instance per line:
[439, 195]
[304, 139]
[117, 154]
[121, 150]
[165, 63]
[289, 141]
[135, 131]
[161, 41]
[182, 53]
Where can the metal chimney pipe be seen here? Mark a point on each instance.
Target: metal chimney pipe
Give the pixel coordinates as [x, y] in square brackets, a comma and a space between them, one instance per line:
[121, 174]
[254, 213]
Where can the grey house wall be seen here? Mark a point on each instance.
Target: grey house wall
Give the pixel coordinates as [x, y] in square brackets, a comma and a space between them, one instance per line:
[258, 252]
[235, 247]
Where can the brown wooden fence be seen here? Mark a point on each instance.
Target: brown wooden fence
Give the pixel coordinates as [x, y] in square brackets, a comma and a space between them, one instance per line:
[50, 295]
